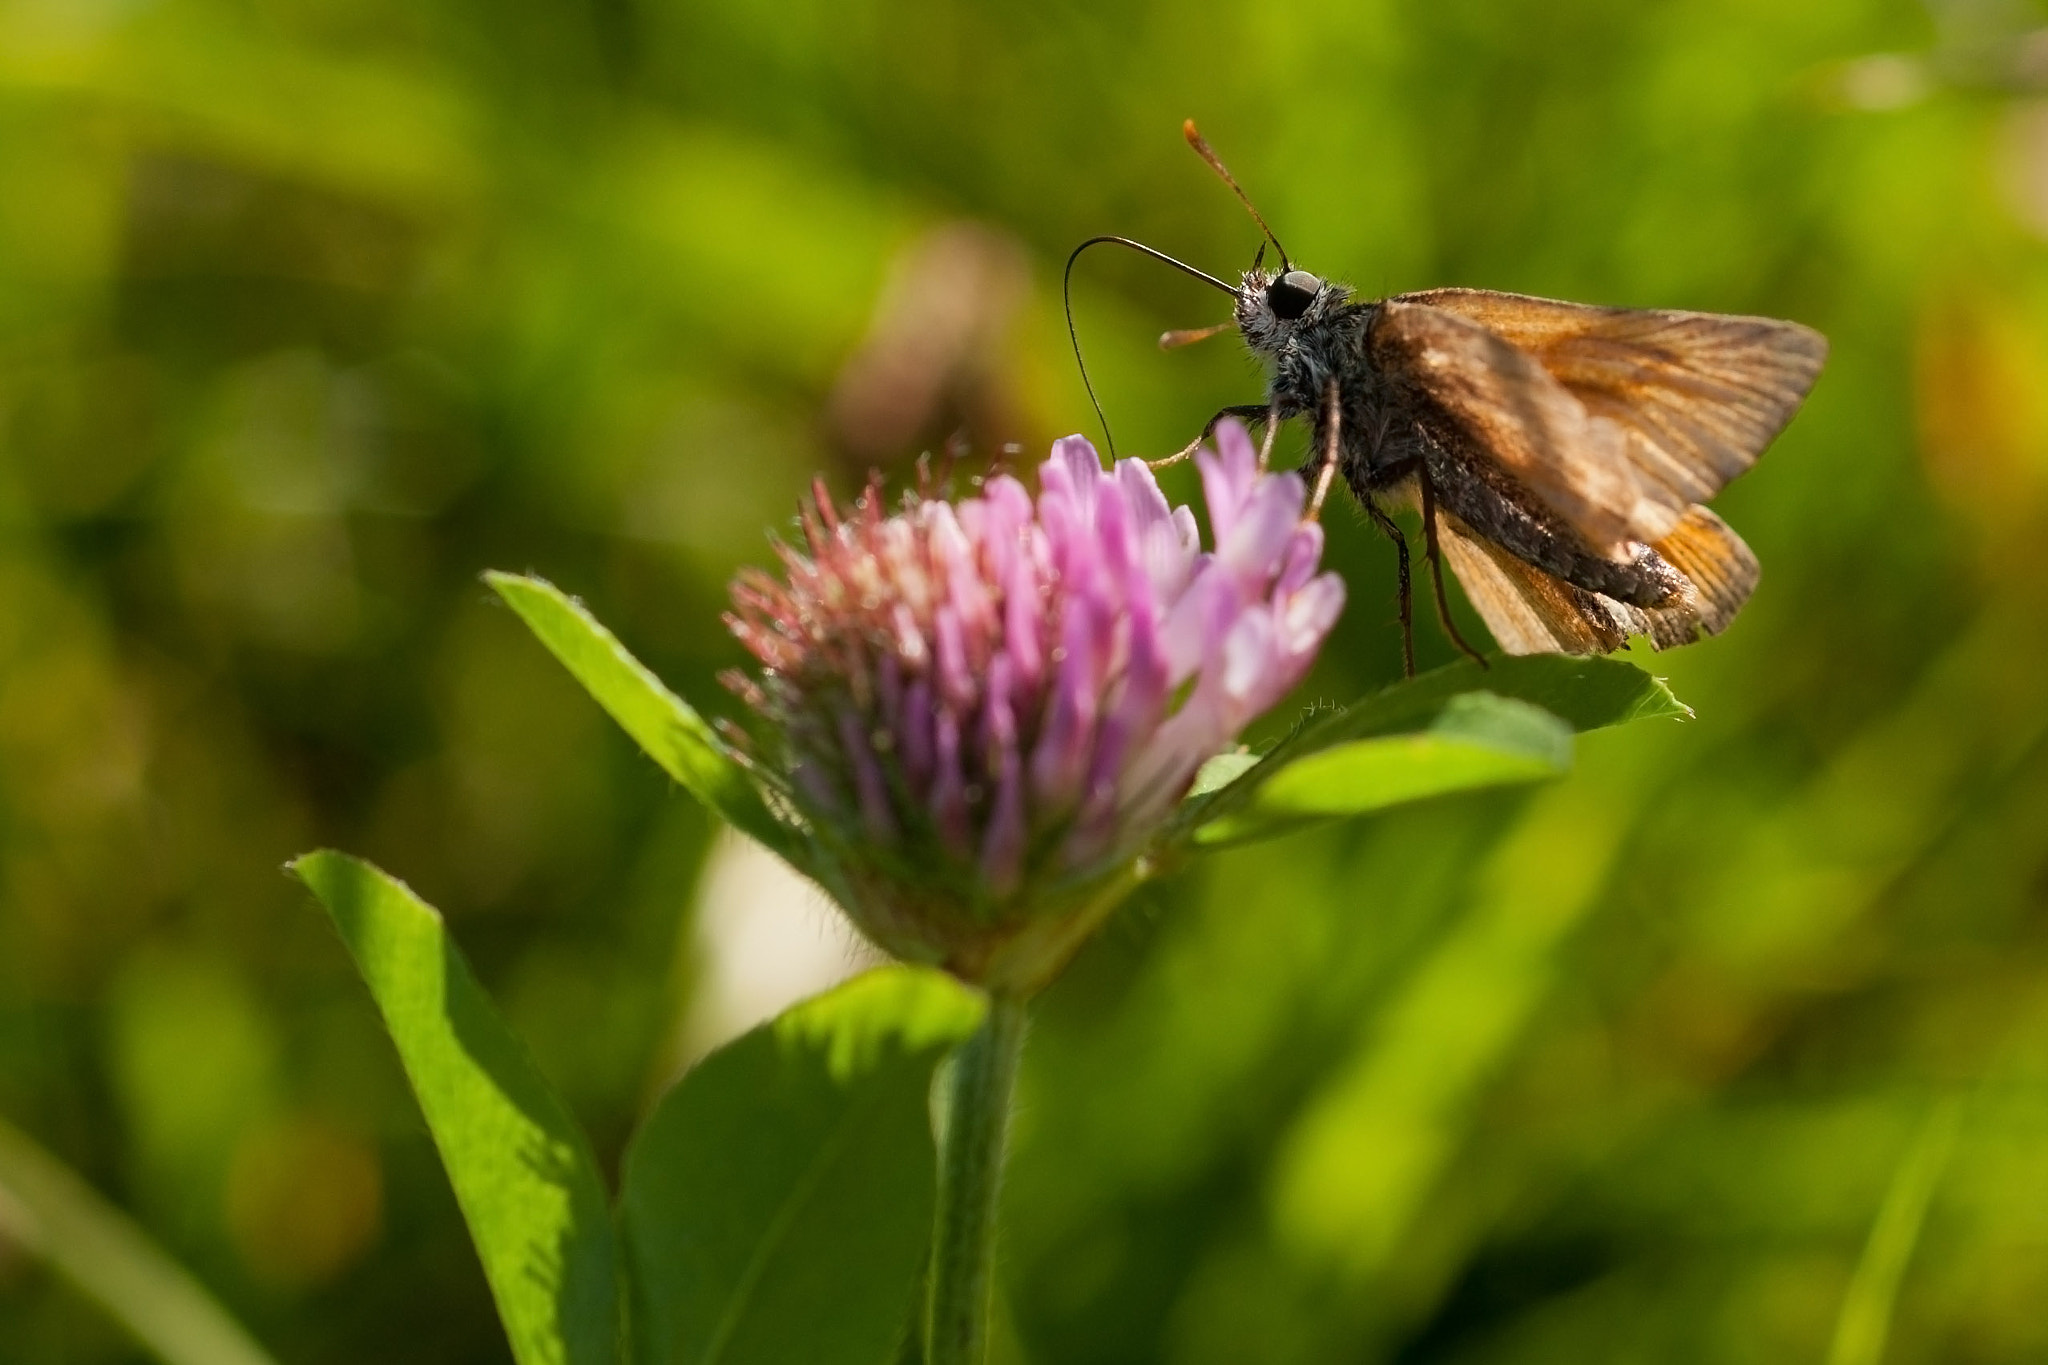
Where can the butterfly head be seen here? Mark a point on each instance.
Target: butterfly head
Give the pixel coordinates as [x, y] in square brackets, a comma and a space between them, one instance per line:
[1274, 306]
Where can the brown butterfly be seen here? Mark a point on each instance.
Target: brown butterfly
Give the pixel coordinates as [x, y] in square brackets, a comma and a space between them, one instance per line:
[1559, 454]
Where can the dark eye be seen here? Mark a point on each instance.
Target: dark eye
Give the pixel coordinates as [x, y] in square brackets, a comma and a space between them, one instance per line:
[1291, 294]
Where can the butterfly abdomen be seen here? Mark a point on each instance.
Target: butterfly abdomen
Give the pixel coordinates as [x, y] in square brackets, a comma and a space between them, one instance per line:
[1492, 502]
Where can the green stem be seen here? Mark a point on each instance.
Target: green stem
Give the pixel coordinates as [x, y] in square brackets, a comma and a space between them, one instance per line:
[46, 1208]
[971, 1147]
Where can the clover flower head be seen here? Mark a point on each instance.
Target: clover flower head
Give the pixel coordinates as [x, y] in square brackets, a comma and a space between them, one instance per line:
[983, 709]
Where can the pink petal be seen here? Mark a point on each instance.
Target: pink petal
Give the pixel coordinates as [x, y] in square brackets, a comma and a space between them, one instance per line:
[1060, 760]
[1024, 625]
[1008, 499]
[1306, 616]
[1081, 467]
[1199, 620]
[1141, 493]
[948, 800]
[1227, 476]
[956, 679]
[916, 740]
[868, 783]
[1304, 552]
[1250, 653]
[1003, 843]
[1256, 542]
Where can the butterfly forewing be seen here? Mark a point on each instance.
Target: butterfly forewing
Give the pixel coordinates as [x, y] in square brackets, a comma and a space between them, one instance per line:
[1699, 395]
[1506, 405]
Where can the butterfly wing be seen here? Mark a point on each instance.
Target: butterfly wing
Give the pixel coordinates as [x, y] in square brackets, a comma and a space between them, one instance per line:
[1501, 400]
[1528, 610]
[1621, 421]
[1533, 612]
[1721, 568]
[1697, 395]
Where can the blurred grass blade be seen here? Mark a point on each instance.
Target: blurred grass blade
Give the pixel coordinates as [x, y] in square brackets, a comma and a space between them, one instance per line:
[777, 1205]
[1582, 693]
[660, 722]
[1476, 740]
[46, 1208]
[521, 1168]
[1866, 1319]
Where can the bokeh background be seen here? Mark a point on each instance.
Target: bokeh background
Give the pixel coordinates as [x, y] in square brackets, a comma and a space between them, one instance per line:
[310, 312]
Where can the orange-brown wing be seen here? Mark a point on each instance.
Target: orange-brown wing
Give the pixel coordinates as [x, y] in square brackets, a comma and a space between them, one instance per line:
[1505, 403]
[1721, 568]
[1699, 394]
[1528, 610]
[1533, 612]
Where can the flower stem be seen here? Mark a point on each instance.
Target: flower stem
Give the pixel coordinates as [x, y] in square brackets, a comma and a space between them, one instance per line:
[971, 1148]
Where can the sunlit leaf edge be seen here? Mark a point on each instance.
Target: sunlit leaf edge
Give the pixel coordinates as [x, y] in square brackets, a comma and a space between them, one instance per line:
[890, 1016]
[1477, 740]
[1585, 693]
[666, 727]
[457, 1050]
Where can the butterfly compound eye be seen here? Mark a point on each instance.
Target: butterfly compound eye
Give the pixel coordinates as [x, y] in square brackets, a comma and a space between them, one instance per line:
[1291, 294]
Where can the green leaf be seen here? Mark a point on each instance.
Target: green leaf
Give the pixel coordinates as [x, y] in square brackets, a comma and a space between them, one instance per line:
[660, 722]
[1589, 693]
[1456, 743]
[47, 1209]
[521, 1168]
[1222, 770]
[1476, 740]
[777, 1206]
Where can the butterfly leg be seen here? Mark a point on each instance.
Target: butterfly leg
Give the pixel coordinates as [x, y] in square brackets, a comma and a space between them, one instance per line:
[1332, 448]
[1243, 412]
[1386, 524]
[1436, 566]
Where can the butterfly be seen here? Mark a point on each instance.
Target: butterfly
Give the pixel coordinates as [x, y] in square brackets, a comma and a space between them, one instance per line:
[1559, 455]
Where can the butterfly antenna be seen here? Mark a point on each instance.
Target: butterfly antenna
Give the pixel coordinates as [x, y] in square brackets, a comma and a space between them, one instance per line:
[1188, 336]
[1067, 300]
[1208, 154]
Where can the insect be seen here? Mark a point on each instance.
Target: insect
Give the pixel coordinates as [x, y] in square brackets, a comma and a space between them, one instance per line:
[1558, 454]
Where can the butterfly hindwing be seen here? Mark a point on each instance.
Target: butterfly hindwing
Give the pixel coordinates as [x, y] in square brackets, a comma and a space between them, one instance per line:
[1530, 611]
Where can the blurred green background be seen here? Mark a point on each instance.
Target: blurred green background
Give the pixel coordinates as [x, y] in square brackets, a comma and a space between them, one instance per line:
[309, 312]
